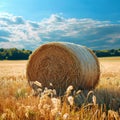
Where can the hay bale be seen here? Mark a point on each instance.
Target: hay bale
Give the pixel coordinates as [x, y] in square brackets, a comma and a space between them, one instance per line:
[63, 64]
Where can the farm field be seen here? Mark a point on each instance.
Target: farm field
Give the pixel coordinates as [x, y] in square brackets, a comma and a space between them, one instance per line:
[18, 100]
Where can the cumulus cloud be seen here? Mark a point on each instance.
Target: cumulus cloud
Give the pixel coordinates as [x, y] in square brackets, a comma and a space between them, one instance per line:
[15, 31]
[11, 45]
[10, 19]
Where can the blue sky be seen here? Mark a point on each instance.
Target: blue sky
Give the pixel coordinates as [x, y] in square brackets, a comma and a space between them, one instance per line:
[38, 9]
[29, 23]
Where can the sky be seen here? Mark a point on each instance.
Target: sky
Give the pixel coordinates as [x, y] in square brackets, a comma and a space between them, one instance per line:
[30, 23]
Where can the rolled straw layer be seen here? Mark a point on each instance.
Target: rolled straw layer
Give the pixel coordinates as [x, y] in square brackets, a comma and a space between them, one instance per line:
[63, 64]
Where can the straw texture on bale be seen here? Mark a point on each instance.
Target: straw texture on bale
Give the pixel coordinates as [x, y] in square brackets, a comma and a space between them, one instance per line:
[63, 64]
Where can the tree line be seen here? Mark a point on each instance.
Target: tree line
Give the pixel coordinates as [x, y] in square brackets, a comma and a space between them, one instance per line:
[107, 53]
[22, 54]
[14, 54]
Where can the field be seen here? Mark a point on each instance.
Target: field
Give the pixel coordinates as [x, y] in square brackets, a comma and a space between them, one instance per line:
[19, 102]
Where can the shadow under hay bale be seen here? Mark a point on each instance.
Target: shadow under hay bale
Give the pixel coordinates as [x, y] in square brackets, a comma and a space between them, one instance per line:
[63, 64]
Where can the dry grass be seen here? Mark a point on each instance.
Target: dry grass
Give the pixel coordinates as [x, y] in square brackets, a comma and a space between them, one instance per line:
[17, 100]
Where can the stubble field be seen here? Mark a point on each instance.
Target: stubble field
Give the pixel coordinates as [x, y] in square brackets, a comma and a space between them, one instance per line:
[18, 100]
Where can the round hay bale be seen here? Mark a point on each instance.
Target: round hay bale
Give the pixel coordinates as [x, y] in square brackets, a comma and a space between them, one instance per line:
[63, 64]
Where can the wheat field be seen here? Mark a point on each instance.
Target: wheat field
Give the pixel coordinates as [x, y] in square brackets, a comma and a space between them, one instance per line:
[19, 102]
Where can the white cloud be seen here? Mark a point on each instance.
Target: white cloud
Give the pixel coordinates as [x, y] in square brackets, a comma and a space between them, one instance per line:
[11, 19]
[16, 31]
[11, 45]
